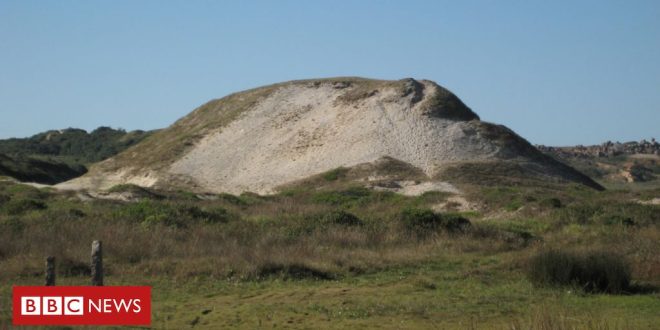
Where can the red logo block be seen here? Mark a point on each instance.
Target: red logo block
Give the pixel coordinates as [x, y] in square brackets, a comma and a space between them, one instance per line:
[82, 305]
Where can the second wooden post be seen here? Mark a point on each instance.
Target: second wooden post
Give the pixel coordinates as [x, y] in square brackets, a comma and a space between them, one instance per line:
[97, 263]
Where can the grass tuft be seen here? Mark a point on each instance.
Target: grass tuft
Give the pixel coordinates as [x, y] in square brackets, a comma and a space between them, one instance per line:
[423, 222]
[593, 272]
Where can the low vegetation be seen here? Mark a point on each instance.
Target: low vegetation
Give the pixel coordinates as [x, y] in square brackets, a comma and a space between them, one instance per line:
[423, 222]
[593, 271]
[350, 257]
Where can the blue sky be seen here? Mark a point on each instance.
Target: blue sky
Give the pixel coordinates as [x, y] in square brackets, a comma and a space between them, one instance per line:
[557, 72]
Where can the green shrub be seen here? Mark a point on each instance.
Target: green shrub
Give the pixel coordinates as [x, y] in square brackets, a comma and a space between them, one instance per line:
[12, 224]
[139, 211]
[581, 213]
[630, 213]
[610, 212]
[310, 223]
[551, 203]
[135, 190]
[127, 187]
[455, 223]
[593, 272]
[335, 174]
[195, 213]
[149, 212]
[514, 205]
[250, 198]
[617, 219]
[21, 206]
[162, 219]
[519, 232]
[4, 199]
[76, 213]
[513, 237]
[233, 199]
[341, 218]
[353, 195]
[185, 195]
[292, 271]
[25, 191]
[425, 221]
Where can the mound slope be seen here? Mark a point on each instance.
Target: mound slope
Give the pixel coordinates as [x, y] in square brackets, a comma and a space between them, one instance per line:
[261, 139]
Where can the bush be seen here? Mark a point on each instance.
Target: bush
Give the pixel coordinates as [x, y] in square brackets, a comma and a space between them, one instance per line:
[162, 219]
[341, 218]
[355, 195]
[580, 214]
[76, 213]
[425, 221]
[149, 213]
[593, 272]
[334, 175]
[551, 203]
[618, 220]
[141, 210]
[24, 191]
[136, 191]
[610, 212]
[232, 199]
[513, 206]
[320, 222]
[20, 206]
[12, 224]
[212, 215]
[120, 188]
[292, 271]
[4, 199]
[454, 223]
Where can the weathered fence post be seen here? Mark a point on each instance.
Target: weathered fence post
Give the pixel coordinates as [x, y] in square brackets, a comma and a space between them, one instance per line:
[50, 271]
[97, 263]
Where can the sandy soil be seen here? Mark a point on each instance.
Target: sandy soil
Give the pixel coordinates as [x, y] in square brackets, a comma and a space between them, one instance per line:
[301, 130]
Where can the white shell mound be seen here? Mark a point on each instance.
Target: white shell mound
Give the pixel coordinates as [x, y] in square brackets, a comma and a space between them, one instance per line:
[302, 128]
[300, 131]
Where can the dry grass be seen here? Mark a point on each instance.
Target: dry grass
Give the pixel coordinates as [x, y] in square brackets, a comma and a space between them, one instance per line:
[236, 236]
[558, 318]
[592, 271]
[239, 249]
[304, 238]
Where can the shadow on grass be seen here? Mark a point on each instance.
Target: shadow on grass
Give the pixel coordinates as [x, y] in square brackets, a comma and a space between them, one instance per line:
[642, 289]
[293, 271]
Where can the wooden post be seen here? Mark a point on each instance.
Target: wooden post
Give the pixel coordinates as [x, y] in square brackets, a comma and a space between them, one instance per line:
[50, 271]
[97, 263]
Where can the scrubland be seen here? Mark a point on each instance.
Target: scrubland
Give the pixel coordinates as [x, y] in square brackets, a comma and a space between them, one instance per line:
[527, 257]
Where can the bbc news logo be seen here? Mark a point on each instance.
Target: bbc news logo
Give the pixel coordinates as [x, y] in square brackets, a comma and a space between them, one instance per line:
[52, 306]
[76, 305]
[81, 305]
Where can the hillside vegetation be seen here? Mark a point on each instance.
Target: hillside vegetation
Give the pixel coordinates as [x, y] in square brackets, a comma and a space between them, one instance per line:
[31, 169]
[55, 156]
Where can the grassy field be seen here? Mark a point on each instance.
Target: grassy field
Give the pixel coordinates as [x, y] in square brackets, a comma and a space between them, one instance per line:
[343, 257]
